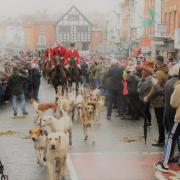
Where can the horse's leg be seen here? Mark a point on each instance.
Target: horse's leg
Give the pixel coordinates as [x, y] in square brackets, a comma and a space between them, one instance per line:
[56, 91]
[77, 87]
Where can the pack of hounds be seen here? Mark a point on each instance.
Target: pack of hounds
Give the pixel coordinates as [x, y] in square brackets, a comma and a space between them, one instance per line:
[53, 146]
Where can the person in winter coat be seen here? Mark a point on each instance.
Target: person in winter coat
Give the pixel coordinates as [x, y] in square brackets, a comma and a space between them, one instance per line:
[97, 76]
[123, 103]
[15, 84]
[169, 111]
[106, 81]
[115, 89]
[36, 80]
[175, 131]
[133, 97]
[156, 96]
[84, 69]
[144, 88]
[91, 74]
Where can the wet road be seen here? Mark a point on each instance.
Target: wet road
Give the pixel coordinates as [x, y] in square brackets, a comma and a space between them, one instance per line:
[17, 153]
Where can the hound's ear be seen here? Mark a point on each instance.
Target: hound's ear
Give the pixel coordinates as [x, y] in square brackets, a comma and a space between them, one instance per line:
[59, 139]
[41, 131]
[30, 132]
[45, 133]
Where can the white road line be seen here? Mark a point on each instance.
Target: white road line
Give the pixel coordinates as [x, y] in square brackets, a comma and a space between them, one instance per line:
[71, 169]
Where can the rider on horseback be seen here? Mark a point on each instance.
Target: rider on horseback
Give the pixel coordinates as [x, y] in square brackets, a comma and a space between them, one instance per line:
[59, 53]
[73, 57]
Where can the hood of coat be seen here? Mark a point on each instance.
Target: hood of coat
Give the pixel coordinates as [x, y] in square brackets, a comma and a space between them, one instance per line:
[163, 68]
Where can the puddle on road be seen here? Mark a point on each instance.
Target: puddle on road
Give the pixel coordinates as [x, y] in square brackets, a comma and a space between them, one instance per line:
[132, 139]
[8, 133]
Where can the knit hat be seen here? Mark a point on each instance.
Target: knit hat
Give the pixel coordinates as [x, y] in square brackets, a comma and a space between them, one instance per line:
[160, 58]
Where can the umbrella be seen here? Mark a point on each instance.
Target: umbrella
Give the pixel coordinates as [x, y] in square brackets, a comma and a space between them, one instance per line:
[145, 126]
[145, 129]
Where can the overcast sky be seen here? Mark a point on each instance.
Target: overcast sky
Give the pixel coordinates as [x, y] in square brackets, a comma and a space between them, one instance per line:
[17, 7]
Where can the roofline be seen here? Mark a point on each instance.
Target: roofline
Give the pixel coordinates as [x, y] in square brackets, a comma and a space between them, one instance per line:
[76, 10]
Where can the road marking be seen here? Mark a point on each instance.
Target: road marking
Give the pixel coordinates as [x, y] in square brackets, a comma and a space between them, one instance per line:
[71, 168]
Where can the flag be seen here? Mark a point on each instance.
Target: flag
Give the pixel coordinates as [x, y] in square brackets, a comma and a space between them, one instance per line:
[150, 21]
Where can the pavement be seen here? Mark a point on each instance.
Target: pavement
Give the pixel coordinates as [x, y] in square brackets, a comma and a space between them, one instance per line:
[119, 153]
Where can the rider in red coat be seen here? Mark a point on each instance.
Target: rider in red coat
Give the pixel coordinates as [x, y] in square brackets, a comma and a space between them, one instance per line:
[59, 53]
[72, 56]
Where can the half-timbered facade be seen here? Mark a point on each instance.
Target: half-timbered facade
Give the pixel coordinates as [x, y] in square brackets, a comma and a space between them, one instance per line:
[73, 26]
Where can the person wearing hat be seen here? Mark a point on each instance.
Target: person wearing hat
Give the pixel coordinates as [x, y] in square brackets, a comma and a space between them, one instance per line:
[15, 84]
[156, 96]
[133, 97]
[144, 87]
[72, 56]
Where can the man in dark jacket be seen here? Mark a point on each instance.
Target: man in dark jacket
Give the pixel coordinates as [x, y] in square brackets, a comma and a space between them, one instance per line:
[133, 97]
[15, 83]
[144, 88]
[84, 69]
[36, 80]
[115, 89]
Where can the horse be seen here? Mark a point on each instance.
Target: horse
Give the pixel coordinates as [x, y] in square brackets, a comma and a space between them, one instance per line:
[46, 68]
[58, 78]
[74, 76]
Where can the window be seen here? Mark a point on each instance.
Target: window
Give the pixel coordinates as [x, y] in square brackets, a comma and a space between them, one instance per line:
[64, 29]
[42, 40]
[41, 29]
[82, 29]
[73, 17]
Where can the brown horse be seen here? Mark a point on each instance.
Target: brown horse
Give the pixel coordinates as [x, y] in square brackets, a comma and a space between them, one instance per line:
[74, 76]
[58, 78]
[46, 68]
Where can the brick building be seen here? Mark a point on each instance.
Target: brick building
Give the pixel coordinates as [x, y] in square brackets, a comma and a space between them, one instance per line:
[125, 33]
[171, 18]
[38, 34]
[171, 15]
[97, 38]
[148, 4]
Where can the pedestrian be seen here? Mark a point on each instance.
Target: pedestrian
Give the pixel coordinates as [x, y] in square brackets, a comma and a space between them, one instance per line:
[36, 80]
[169, 111]
[123, 103]
[175, 131]
[91, 74]
[84, 69]
[115, 90]
[97, 74]
[144, 88]
[156, 95]
[133, 97]
[15, 84]
[106, 82]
